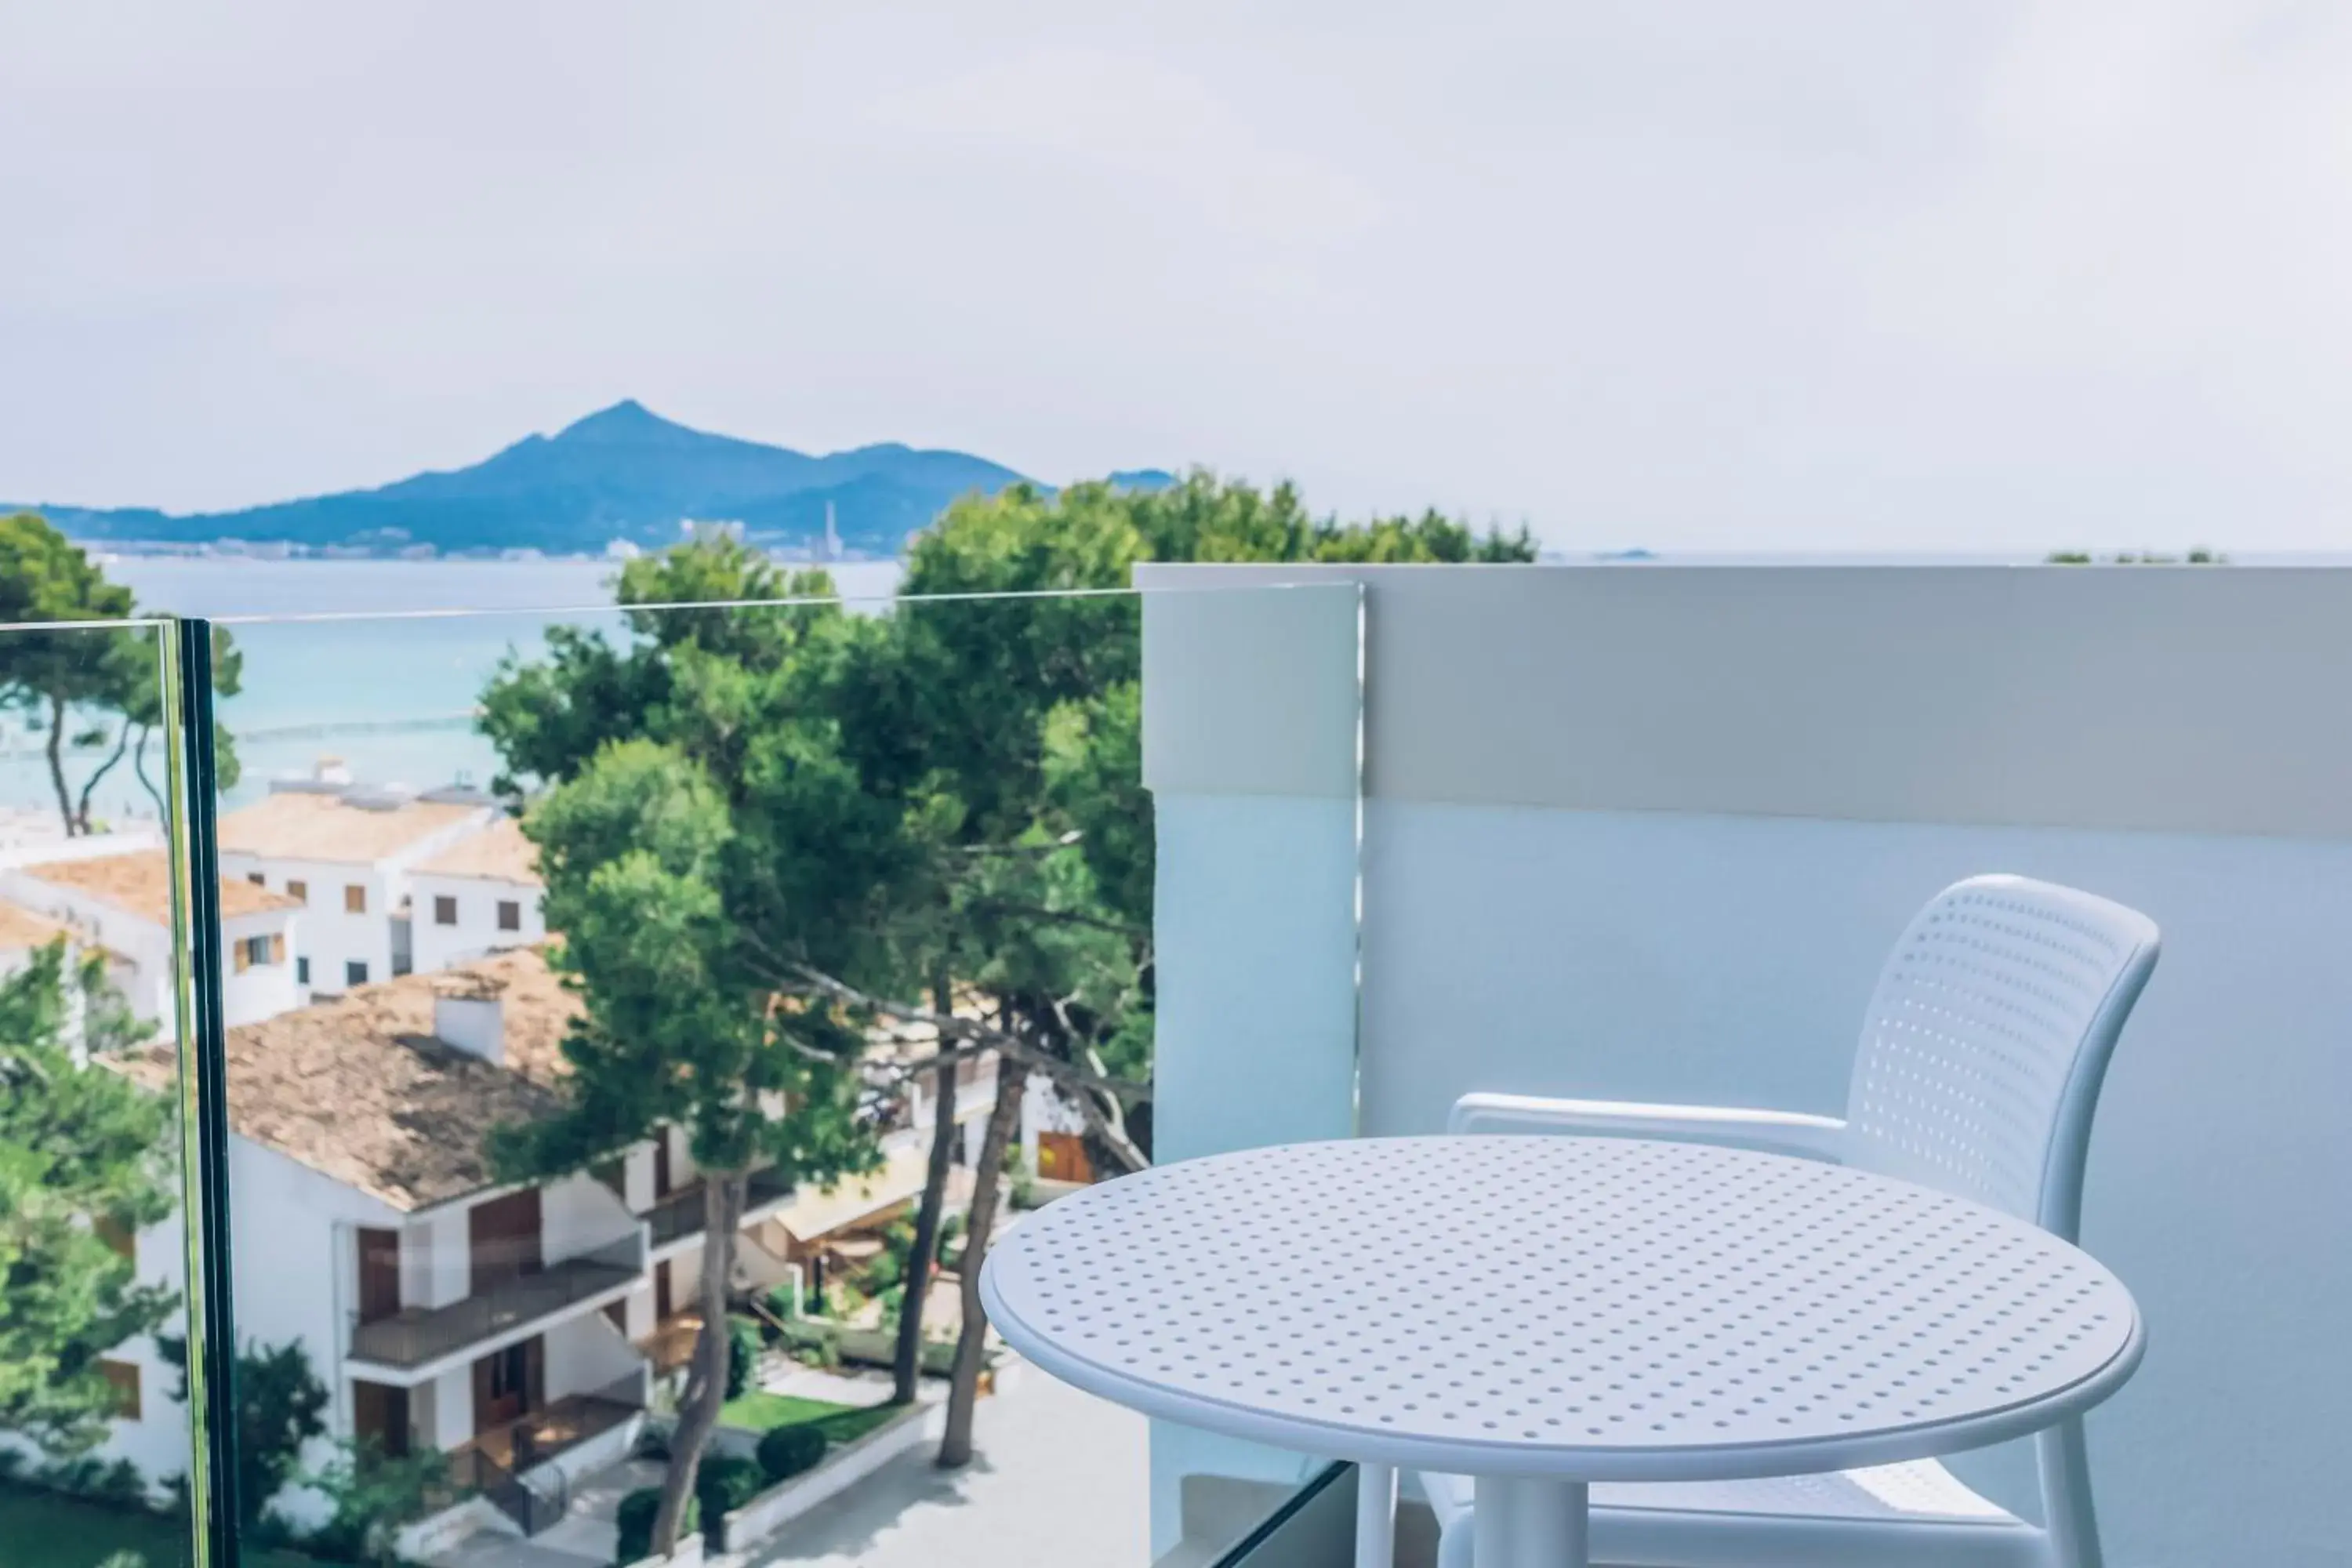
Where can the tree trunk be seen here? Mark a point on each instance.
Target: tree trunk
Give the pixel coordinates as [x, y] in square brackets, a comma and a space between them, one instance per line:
[706, 1384]
[907, 1362]
[955, 1448]
[139, 766]
[57, 764]
[89, 785]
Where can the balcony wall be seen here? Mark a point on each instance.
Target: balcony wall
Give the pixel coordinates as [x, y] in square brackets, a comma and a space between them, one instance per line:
[1648, 832]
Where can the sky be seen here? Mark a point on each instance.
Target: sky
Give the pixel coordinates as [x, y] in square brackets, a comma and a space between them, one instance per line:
[1813, 274]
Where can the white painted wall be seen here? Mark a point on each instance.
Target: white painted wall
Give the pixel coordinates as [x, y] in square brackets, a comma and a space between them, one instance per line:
[436, 1257]
[476, 934]
[327, 935]
[446, 1417]
[1252, 761]
[587, 1355]
[331, 936]
[578, 1215]
[265, 988]
[147, 980]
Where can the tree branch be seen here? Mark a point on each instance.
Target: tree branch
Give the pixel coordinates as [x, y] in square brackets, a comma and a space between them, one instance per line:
[950, 1025]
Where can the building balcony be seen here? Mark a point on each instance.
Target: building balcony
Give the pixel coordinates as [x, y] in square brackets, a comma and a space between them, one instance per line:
[418, 1337]
[521, 1465]
[680, 1217]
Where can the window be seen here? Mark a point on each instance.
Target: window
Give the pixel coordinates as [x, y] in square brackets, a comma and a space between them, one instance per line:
[117, 1236]
[445, 910]
[355, 899]
[295, 889]
[301, 972]
[253, 949]
[355, 972]
[509, 915]
[257, 878]
[123, 1377]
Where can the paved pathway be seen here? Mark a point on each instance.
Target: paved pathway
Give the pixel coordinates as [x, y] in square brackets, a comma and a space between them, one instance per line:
[1060, 1477]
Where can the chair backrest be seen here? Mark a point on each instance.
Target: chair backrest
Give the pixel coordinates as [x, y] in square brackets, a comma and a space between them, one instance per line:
[1987, 1040]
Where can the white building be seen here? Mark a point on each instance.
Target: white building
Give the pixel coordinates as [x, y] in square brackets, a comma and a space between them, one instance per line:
[481, 895]
[440, 1307]
[123, 902]
[345, 852]
[516, 1326]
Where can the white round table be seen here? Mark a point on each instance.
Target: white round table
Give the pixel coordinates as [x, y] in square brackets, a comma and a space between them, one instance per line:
[1541, 1313]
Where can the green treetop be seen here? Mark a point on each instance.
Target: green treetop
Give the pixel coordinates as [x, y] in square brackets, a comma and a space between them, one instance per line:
[80, 1146]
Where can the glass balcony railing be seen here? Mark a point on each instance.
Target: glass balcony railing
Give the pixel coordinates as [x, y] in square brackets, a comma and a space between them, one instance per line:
[413, 1337]
[460, 989]
[684, 1214]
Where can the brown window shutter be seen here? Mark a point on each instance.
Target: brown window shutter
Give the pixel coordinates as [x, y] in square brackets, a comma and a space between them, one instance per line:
[244, 957]
[278, 948]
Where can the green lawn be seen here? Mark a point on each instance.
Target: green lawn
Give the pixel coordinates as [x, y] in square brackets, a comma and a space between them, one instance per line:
[761, 1411]
[41, 1529]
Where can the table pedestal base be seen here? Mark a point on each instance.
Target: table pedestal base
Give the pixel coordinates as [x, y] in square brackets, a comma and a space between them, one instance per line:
[1526, 1523]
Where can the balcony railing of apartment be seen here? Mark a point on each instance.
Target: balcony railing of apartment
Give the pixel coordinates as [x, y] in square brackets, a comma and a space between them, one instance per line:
[681, 1213]
[533, 1506]
[521, 1445]
[416, 1335]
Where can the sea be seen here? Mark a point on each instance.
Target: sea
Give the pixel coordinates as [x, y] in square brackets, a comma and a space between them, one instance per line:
[377, 664]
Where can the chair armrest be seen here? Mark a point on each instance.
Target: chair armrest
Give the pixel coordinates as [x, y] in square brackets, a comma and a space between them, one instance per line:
[1775, 1131]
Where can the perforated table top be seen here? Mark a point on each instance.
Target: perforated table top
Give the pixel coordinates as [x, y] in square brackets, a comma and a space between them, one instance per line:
[1583, 1307]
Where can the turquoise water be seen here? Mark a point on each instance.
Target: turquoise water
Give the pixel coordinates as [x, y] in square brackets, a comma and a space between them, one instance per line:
[390, 692]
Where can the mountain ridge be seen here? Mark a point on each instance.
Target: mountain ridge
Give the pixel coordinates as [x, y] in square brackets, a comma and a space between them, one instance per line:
[622, 473]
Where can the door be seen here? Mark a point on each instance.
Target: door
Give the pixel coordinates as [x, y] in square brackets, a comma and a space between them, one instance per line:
[661, 1164]
[380, 1417]
[665, 1306]
[379, 1274]
[508, 1383]
[503, 1235]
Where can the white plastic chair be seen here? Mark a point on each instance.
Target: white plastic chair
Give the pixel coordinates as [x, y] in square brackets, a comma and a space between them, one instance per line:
[1978, 1071]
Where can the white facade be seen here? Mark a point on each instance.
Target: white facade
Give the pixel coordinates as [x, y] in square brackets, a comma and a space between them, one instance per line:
[456, 919]
[294, 1232]
[356, 913]
[258, 971]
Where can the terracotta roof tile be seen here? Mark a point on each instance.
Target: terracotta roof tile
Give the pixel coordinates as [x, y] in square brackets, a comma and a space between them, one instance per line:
[360, 1090]
[141, 883]
[21, 929]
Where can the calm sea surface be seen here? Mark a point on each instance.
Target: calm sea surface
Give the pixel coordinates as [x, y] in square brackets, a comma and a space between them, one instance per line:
[390, 692]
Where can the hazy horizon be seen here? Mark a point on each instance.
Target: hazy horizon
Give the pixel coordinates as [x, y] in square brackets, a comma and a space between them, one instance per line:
[1826, 276]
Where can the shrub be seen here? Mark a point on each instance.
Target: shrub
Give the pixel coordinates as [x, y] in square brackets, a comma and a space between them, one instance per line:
[635, 1518]
[116, 1483]
[743, 1355]
[654, 1437]
[372, 1494]
[781, 1305]
[786, 1451]
[725, 1481]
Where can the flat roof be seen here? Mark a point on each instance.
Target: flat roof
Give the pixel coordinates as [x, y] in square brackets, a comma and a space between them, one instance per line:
[304, 824]
[500, 853]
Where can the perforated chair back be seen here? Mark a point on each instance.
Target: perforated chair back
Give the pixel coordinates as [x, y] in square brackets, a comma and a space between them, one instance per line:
[1987, 1040]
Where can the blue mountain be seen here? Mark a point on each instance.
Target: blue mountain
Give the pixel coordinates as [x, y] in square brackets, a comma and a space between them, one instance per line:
[624, 472]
